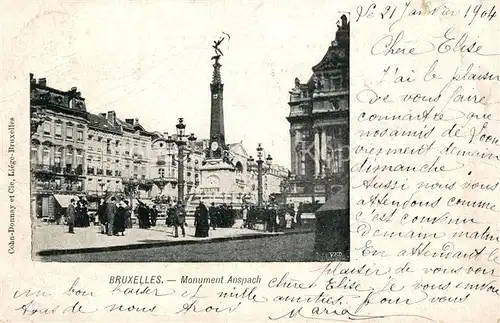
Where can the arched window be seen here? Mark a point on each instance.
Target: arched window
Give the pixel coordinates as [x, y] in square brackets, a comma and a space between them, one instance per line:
[239, 167]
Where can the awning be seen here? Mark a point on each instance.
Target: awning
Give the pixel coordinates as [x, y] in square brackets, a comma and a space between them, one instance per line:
[64, 200]
[340, 201]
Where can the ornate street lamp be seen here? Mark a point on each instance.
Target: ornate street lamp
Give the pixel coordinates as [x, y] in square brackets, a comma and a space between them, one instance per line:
[259, 164]
[181, 140]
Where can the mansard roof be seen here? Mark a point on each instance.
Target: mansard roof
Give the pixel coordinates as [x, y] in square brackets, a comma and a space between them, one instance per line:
[101, 123]
[133, 125]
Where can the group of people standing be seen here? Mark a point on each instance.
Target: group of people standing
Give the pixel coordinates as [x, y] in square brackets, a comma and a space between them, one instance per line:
[274, 216]
[146, 215]
[114, 216]
[76, 214]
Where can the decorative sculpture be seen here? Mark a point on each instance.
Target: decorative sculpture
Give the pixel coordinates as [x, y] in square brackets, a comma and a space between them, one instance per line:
[217, 43]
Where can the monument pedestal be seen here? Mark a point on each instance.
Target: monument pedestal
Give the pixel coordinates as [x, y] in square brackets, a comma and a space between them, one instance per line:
[217, 184]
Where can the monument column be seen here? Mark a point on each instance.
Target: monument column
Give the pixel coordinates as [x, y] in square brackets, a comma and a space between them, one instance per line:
[217, 135]
[316, 152]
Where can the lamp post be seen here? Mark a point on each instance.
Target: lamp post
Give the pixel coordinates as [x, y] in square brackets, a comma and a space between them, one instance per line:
[181, 140]
[260, 170]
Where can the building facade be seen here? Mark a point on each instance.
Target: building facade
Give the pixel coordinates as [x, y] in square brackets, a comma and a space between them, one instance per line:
[319, 125]
[57, 152]
[104, 158]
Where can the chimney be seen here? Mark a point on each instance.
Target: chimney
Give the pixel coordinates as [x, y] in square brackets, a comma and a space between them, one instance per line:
[130, 121]
[42, 81]
[32, 78]
[74, 89]
[112, 117]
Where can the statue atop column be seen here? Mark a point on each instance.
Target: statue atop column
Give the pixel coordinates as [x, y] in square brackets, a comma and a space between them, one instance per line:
[215, 46]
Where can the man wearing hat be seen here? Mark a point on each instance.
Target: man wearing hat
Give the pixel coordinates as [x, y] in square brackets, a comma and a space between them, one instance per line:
[180, 219]
[70, 214]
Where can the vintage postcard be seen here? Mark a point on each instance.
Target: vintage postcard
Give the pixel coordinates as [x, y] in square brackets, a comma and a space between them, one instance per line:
[231, 161]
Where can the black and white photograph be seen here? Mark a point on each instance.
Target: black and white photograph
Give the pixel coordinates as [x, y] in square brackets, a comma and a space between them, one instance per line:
[222, 141]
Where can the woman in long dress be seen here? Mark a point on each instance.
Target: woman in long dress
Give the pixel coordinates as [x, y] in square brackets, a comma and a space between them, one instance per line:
[202, 226]
[119, 225]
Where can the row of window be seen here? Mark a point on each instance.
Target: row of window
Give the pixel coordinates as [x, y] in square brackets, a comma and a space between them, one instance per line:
[58, 131]
[58, 156]
[108, 167]
[109, 145]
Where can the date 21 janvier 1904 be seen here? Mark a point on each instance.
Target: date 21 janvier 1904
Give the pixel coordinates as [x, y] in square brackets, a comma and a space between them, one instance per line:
[397, 13]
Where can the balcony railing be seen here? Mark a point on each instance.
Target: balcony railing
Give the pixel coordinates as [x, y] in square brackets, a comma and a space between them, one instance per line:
[90, 170]
[99, 171]
[60, 187]
[118, 173]
[109, 172]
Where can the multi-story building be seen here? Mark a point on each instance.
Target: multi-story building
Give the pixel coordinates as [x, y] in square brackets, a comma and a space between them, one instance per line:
[118, 152]
[57, 155]
[105, 159]
[319, 125]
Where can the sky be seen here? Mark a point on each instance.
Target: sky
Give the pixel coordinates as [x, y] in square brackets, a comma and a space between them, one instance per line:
[151, 60]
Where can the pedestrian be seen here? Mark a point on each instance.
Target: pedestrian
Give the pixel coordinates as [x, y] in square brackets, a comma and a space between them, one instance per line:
[119, 224]
[101, 213]
[288, 219]
[154, 215]
[70, 215]
[281, 218]
[180, 219]
[110, 214]
[213, 213]
[170, 219]
[84, 212]
[78, 215]
[128, 215]
[298, 219]
[143, 213]
[201, 216]
[245, 216]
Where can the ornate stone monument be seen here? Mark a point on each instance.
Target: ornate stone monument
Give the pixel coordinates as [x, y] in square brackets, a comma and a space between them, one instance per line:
[217, 171]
